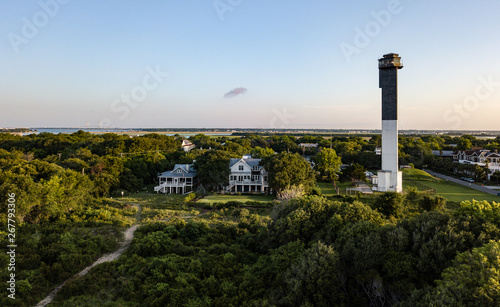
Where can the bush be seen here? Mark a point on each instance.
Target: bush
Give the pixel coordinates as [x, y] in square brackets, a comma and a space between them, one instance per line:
[189, 197]
[390, 204]
[316, 191]
[431, 203]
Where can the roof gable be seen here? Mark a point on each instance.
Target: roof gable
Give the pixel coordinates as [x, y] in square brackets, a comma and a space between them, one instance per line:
[250, 163]
[182, 167]
[493, 155]
[180, 170]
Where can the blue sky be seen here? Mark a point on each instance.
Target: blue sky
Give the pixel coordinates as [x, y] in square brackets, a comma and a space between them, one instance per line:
[305, 64]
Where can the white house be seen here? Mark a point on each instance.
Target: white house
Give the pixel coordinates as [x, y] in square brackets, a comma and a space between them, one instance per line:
[480, 157]
[180, 180]
[187, 145]
[247, 176]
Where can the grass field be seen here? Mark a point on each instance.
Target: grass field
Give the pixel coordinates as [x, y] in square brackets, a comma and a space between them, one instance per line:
[326, 188]
[449, 190]
[419, 175]
[455, 192]
[242, 198]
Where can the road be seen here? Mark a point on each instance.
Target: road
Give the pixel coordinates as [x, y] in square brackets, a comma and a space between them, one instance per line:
[464, 183]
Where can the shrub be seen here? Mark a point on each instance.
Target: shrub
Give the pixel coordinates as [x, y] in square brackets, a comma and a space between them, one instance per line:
[430, 203]
[390, 204]
[189, 197]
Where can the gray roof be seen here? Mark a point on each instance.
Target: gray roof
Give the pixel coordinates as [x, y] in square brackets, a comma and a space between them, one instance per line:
[444, 153]
[187, 171]
[250, 162]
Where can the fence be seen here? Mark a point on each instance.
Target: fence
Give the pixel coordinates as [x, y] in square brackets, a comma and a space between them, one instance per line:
[421, 187]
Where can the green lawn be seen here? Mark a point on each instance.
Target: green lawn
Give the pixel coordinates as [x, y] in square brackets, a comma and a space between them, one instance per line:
[419, 175]
[218, 198]
[326, 188]
[449, 190]
[150, 199]
[455, 192]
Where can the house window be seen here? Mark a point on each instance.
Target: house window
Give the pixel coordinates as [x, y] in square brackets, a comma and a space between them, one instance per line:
[179, 171]
[241, 167]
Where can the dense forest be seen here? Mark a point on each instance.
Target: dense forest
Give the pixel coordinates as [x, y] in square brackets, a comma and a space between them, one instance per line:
[307, 250]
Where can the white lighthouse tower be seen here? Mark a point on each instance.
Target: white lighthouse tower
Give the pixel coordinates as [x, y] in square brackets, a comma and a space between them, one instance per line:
[389, 178]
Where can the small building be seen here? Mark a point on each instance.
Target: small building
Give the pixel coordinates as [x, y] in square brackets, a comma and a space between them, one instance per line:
[371, 177]
[180, 180]
[247, 176]
[308, 146]
[443, 153]
[187, 145]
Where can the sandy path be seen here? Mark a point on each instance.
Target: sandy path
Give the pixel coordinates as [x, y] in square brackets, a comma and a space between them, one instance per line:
[128, 235]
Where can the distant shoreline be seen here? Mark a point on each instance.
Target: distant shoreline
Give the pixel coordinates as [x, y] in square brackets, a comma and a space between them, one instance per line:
[487, 134]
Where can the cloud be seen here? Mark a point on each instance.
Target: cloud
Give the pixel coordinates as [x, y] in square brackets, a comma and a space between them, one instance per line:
[237, 91]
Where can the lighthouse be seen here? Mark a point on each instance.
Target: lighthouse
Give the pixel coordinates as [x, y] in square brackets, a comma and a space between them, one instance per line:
[389, 178]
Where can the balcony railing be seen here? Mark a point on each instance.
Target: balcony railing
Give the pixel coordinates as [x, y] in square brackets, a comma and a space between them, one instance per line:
[174, 184]
[232, 182]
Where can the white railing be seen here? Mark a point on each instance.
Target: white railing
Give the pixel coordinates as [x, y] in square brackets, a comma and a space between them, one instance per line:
[175, 184]
[494, 166]
[234, 182]
[172, 184]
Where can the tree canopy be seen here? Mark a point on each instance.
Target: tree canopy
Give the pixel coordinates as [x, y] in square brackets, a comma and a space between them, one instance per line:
[287, 170]
[328, 163]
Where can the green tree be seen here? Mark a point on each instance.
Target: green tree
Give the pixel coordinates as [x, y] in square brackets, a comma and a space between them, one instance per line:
[464, 143]
[328, 163]
[287, 170]
[354, 171]
[105, 173]
[495, 176]
[430, 203]
[213, 169]
[315, 279]
[390, 204]
[472, 280]
[260, 153]
[284, 143]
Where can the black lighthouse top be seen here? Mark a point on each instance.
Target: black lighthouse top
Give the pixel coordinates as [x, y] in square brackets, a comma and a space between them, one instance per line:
[388, 67]
[390, 60]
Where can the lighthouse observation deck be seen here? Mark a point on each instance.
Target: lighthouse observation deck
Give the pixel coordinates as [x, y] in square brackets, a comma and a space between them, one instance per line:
[390, 60]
